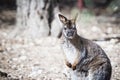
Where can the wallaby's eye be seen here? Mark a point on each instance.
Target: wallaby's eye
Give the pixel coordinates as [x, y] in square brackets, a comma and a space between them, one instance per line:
[65, 28]
[41, 17]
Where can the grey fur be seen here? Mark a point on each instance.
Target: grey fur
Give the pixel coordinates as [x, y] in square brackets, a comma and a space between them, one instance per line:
[85, 59]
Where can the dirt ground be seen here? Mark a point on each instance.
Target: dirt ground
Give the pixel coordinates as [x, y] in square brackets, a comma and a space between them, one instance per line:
[42, 59]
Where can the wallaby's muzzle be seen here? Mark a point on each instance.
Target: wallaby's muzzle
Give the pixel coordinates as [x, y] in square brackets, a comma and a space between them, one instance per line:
[70, 33]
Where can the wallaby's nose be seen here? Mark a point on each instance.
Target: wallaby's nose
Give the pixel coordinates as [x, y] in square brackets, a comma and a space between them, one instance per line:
[70, 34]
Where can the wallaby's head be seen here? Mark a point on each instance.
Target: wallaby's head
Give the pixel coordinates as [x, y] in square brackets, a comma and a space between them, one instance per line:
[69, 29]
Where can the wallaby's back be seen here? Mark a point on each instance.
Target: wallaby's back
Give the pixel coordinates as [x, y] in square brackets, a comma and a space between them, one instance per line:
[94, 62]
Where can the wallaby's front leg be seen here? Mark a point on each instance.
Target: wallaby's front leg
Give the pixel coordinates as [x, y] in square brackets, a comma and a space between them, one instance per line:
[68, 64]
[75, 62]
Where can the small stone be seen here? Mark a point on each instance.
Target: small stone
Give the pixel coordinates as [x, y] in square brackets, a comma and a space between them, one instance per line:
[14, 59]
[1, 49]
[95, 29]
[23, 58]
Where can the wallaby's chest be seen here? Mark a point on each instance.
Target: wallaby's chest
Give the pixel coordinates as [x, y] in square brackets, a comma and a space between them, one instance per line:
[70, 52]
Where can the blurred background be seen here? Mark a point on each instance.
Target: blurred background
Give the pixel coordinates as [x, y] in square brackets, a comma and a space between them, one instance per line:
[30, 35]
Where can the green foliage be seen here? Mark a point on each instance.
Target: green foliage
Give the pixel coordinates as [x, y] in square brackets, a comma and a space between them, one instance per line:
[88, 3]
[86, 16]
[115, 5]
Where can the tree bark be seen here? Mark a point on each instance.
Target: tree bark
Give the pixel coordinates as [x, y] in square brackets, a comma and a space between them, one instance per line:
[32, 19]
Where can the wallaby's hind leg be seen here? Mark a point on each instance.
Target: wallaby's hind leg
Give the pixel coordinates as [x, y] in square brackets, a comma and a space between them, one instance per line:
[102, 73]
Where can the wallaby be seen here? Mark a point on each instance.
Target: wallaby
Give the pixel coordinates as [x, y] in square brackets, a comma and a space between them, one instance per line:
[85, 59]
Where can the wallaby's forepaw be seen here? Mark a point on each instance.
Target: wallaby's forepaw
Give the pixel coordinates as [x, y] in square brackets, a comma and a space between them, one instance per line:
[73, 67]
[68, 64]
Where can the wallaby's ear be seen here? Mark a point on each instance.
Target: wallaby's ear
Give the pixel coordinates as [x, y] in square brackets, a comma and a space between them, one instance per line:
[62, 18]
[75, 18]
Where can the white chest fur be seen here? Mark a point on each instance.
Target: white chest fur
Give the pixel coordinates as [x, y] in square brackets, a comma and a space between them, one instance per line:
[70, 52]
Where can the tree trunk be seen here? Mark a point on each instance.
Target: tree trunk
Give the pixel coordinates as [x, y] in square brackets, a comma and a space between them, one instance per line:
[56, 25]
[32, 19]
